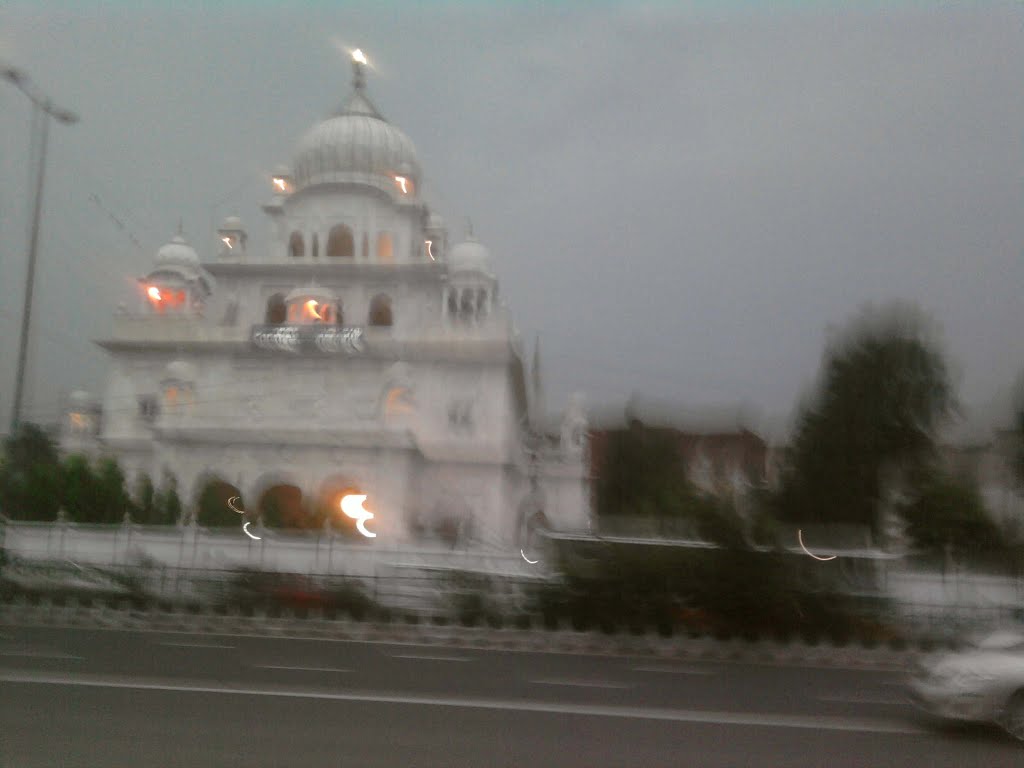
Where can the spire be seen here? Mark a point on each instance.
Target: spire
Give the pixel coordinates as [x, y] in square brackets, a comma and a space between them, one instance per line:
[537, 385]
[358, 77]
[359, 103]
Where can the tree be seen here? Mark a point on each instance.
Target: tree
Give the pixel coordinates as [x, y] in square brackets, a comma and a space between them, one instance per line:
[168, 503]
[111, 493]
[30, 477]
[949, 511]
[884, 390]
[80, 496]
[145, 502]
[213, 505]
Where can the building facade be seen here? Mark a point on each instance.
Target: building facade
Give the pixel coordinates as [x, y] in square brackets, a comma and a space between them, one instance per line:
[356, 354]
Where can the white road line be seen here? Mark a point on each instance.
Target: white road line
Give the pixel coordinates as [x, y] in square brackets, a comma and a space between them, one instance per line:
[677, 670]
[39, 655]
[581, 683]
[428, 658]
[766, 720]
[862, 699]
[301, 669]
[197, 645]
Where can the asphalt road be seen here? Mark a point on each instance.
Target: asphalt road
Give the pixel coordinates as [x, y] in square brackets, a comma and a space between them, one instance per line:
[77, 697]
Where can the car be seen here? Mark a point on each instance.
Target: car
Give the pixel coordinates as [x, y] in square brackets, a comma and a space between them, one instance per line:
[982, 682]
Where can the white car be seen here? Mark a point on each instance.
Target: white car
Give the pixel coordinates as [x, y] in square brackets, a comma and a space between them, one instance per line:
[982, 683]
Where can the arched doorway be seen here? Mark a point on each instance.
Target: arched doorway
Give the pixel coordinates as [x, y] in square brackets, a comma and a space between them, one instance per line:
[211, 503]
[281, 506]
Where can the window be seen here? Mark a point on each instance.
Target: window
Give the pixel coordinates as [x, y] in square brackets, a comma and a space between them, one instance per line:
[148, 407]
[380, 311]
[296, 247]
[276, 310]
[339, 243]
[385, 249]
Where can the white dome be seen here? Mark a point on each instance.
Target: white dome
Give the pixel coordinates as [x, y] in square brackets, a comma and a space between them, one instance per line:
[177, 252]
[470, 256]
[81, 399]
[355, 142]
[180, 370]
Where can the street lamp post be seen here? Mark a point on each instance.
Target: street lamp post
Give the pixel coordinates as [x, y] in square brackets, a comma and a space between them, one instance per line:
[44, 109]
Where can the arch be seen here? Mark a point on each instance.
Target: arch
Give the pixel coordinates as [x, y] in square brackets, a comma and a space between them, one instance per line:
[212, 493]
[316, 246]
[397, 403]
[380, 311]
[339, 243]
[327, 506]
[277, 312]
[385, 248]
[281, 506]
[296, 246]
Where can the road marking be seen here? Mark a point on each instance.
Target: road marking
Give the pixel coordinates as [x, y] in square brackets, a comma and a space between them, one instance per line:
[428, 658]
[581, 683]
[302, 669]
[766, 720]
[39, 655]
[677, 670]
[197, 645]
[862, 699]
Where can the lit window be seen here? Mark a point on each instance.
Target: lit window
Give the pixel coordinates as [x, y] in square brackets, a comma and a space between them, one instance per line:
[385, 251]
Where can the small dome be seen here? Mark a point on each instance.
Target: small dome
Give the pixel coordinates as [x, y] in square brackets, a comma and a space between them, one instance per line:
[180, 370]
[315, 292]
[177, 252]
[80, 399]
[470, 256]
[232, 223]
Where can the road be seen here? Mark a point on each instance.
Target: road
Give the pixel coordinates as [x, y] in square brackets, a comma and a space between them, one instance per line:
[78, 697]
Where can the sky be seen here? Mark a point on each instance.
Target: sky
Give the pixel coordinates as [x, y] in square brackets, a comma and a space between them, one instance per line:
[680, 198]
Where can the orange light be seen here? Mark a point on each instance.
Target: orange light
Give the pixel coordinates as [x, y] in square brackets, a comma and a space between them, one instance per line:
[311, 306]
[280, 184]
[154, 293]
[358, 56]
[227, 242]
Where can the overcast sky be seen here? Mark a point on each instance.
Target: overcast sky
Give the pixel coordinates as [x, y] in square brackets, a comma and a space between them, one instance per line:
[679, 198]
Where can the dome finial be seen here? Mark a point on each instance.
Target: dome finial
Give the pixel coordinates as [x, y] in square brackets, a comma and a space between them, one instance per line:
[181, 226]
[358, 78]
[469, 229]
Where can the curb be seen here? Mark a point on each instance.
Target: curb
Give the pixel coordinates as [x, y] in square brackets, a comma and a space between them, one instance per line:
[547, 641]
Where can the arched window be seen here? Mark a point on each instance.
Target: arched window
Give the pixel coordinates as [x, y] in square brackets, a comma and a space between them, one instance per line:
[296, 247]
[380, 311]
[339, 243]
[385, 248]
[316, 246]
[276, 310]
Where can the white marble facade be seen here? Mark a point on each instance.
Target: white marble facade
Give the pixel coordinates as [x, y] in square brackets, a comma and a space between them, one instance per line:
[357, 350]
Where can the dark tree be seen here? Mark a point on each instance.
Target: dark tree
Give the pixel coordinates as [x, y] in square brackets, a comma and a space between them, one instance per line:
[30, 476]
[871, 425]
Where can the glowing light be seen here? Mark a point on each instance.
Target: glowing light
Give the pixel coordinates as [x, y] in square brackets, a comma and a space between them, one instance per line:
[401, 182]
[227, 242]
[233, 507]
[531, 562]
[800, 538]
[154, 293]
[311, 306]
[352, 505]
[357, 56]
[430, 251]
[246, 529]
[280, 184]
